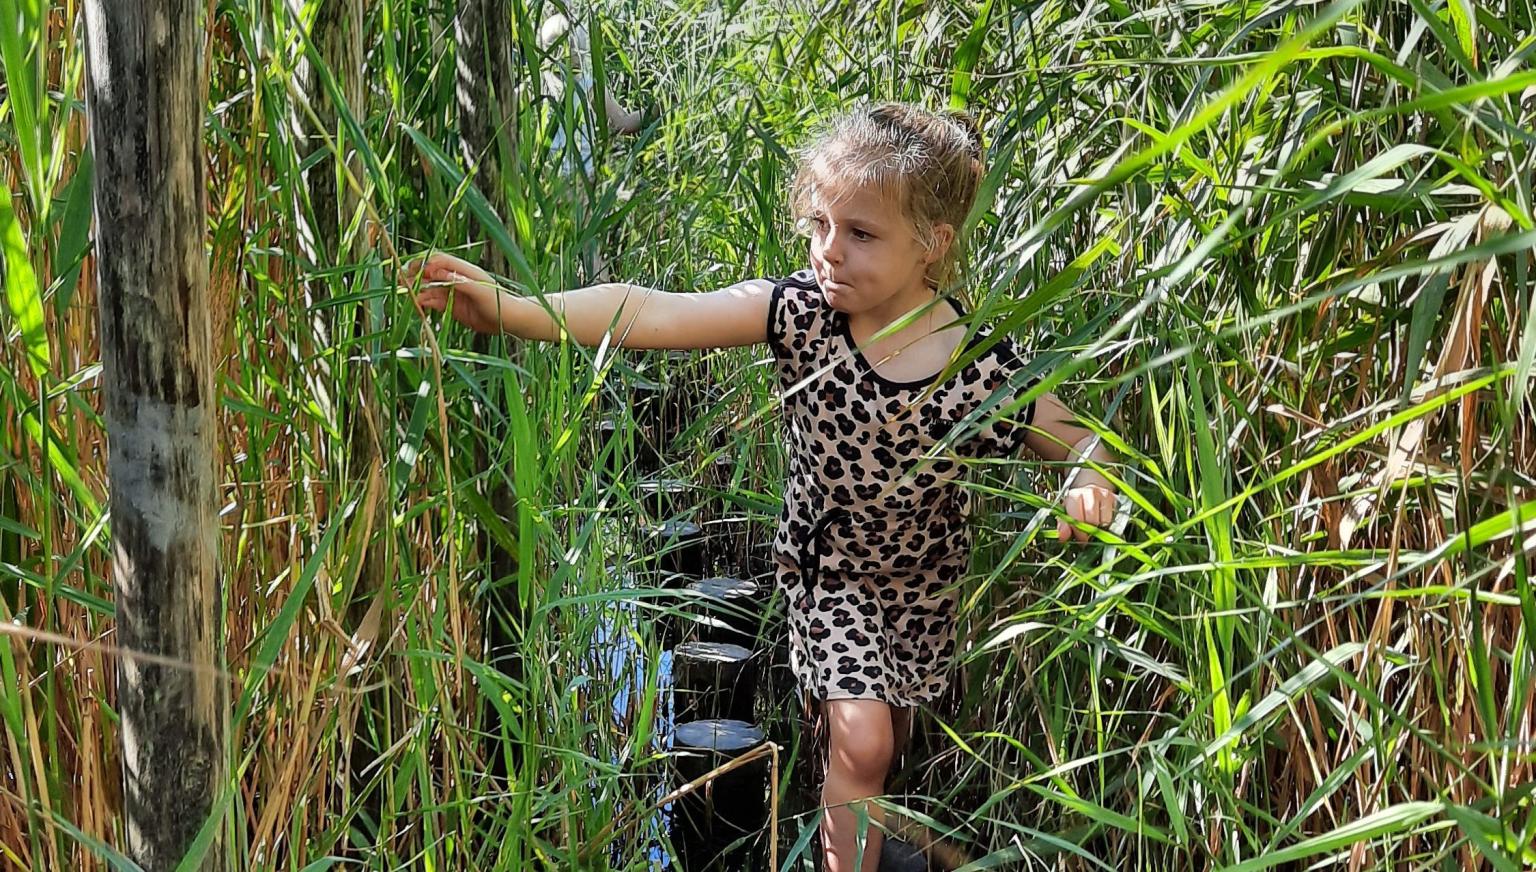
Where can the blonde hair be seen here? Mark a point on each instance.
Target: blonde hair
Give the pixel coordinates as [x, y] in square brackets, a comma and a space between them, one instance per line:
[928, 163]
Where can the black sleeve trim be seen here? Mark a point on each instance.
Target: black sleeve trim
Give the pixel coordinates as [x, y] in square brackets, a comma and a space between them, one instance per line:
[776, 338]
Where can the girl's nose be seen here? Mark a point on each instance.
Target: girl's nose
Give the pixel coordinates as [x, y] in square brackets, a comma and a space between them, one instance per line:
[832, 247]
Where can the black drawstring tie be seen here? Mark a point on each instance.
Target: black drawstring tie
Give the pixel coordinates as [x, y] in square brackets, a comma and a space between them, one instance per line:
[811, 552]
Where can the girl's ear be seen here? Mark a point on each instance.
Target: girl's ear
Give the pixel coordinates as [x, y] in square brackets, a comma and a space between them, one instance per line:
[943, 238]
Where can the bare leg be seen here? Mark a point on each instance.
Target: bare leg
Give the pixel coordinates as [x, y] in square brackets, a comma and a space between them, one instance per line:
[861, 743]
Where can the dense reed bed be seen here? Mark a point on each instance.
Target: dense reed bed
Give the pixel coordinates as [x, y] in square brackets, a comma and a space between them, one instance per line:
[1283, 248]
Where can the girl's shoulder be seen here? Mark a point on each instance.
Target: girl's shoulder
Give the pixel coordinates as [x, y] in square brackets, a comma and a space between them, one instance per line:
[993, 349]
[796, 311]
[796, 296]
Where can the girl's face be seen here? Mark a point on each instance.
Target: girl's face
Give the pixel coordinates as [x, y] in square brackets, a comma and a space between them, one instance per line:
[866, 254]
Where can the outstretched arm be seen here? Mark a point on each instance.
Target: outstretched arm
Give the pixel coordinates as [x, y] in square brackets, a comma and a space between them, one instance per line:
[634, 316]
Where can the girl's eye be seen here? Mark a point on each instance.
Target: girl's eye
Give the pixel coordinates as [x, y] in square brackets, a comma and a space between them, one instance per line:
[861, 235]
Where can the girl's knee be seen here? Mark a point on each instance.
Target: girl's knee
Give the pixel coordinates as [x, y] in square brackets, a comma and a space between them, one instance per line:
[861, 741]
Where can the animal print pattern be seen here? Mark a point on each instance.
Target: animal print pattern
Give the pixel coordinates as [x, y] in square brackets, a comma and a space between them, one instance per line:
[873, 538]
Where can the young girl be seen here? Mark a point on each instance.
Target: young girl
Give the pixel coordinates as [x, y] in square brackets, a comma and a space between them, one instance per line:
[872, 539]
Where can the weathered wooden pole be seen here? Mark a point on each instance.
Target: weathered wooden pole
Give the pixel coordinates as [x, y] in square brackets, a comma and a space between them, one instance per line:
[145, 102]
[335, 32]
[483, 38]
[678, 547]
[732, 806]
[733, 613]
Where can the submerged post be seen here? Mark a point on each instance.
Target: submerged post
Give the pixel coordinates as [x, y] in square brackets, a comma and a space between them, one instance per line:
[145, 102]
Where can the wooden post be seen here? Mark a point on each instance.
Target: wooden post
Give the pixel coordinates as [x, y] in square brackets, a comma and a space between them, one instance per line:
[678, 547]
[336, 34]
[647, 404]
[482, 31]
[483, 39]
[620, 431]
[664, 499]
[732, 613]
[146, 102]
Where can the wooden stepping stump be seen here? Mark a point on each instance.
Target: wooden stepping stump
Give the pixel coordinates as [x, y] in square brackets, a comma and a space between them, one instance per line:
[659, 610]
[737, 546]
[722, 469]
[729, 610]
[760, 562]
[726, 809]
[645, 456]
[671, 622]
[645, 401]
[662, 408]
[664, 498]
[678, 547]
[713, 680]
[686, 388]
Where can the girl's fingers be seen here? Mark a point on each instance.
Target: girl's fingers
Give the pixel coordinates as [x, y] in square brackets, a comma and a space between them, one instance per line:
[1106, 507]
[444, 260]
[1072, 505]
[1103, 507]
[421, 267]
[415, 267]
[466, 271]
[1092, 506]
[413, 272]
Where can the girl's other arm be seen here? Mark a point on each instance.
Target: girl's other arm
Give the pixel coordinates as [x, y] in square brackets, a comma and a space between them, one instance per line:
[637, 317]
[1055, 435]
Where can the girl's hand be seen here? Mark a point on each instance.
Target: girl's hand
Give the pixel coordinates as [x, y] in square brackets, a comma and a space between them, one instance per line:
[1091, 504]
[476, 299]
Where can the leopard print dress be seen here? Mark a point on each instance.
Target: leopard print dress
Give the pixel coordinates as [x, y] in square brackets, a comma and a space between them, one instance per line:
[873, 538]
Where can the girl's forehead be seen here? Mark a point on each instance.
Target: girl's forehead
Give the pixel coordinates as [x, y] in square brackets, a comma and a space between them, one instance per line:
[852, 202]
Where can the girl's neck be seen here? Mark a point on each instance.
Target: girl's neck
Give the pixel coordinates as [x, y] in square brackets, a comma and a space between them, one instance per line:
[875, 319]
